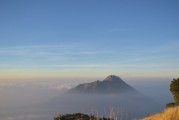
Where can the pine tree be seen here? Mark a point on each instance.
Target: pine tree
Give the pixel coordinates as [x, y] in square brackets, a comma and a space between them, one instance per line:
[174, 88]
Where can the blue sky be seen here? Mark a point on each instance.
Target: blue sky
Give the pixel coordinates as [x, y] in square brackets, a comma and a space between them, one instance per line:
[80, 38]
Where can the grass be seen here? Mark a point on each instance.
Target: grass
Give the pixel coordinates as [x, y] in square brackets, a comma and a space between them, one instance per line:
[168, 114]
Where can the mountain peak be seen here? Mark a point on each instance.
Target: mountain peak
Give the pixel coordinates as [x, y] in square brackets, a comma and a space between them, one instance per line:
[112, 78]
[110, 85]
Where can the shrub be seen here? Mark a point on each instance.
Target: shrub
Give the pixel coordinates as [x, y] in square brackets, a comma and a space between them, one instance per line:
[174, 88]
[170, 105]
[79, 116]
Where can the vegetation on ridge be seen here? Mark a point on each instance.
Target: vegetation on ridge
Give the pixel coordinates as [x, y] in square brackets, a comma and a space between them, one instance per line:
[171, 113]
[174, 88]
[79, 116]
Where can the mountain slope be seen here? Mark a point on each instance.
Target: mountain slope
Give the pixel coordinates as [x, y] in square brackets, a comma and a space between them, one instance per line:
[100, 96]
[168, 114]
[110, 85]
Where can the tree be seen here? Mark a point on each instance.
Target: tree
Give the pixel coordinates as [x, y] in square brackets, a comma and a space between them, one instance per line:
[174, 88]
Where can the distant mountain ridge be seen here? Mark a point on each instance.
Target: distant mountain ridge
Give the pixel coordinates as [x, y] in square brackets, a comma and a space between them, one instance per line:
[112, 92]
[110, 85]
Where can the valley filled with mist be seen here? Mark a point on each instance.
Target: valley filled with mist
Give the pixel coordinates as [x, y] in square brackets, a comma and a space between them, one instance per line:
[44, 99]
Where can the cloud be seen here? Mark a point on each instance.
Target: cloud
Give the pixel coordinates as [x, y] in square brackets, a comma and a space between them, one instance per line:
[83, 57]
[25, 117]
[50, 53]
[48, 50]
[62, 87]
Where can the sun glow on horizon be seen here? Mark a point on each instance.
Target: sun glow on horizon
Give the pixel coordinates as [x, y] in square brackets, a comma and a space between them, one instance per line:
[48, 75]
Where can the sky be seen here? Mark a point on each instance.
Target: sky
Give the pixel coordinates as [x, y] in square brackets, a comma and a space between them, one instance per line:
[52, 39]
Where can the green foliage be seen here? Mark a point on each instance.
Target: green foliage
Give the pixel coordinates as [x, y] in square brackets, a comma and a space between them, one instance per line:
[79, 116]
[168, 105]
[174, 88]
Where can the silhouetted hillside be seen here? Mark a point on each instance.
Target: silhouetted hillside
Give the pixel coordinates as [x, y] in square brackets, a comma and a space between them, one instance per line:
[100, 96]
[110, 85]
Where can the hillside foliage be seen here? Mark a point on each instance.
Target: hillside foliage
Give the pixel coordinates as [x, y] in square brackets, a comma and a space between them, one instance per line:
[171, 113]
[79, 116]
[174, 88]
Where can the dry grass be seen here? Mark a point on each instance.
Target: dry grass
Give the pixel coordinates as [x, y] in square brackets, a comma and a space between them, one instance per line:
[168, 114]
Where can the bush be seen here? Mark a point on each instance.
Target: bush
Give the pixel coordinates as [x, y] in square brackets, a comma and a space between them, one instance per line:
[171, 105]
[79, 116]
[174, 88]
